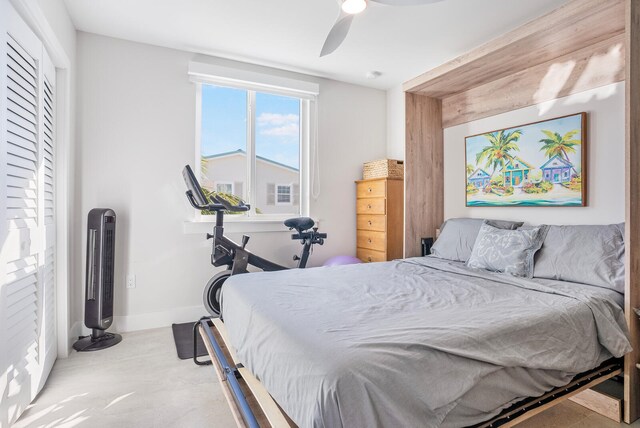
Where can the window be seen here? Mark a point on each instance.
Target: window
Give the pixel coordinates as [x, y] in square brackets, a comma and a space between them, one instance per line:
[249, 141]
[283, 194]
[223, 187]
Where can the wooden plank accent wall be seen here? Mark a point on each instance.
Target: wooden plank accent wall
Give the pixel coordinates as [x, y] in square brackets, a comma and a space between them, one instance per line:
[424, 172]
[588, 68]
[575, 24]
[632, 189]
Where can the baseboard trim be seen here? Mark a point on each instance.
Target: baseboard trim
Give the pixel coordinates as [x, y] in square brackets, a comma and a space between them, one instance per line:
[76, 330]
[125, 323]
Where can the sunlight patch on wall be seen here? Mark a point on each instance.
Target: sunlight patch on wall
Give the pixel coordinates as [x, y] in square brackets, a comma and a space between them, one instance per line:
[590, 70]
[612, 60]
[552, 83]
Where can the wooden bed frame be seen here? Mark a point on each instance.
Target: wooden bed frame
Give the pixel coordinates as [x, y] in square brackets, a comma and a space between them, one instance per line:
[500, 76]
[266, 411]
[252, 406]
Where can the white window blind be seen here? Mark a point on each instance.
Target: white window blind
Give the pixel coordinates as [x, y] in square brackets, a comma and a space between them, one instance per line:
[27, 228]
[200, 72]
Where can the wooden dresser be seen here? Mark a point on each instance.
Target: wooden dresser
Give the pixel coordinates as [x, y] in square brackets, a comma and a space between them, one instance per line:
[380, 222]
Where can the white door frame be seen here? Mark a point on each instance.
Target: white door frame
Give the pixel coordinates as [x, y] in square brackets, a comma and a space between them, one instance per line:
[33, 15]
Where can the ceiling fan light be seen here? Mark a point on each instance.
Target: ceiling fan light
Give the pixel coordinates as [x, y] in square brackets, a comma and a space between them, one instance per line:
[353, 6]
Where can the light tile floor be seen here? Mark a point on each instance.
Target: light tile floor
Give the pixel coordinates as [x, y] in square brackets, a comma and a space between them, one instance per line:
[138, 383]
[141, 383]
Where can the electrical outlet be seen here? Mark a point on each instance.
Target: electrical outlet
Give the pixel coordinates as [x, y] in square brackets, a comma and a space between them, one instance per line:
[131, 281]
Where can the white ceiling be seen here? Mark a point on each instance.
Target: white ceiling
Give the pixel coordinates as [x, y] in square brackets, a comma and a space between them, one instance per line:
[400, 42]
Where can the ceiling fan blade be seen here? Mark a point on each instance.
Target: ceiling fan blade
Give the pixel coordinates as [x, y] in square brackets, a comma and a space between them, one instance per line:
[405, 2]
[337, 34]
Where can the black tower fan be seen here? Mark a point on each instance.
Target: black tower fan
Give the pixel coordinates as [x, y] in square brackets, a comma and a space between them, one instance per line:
[98, 305]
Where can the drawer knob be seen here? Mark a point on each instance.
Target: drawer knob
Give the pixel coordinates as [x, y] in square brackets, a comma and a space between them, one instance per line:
[369, 258]
[369, 206]
[369, 240]
[370, 223]
[370, 189]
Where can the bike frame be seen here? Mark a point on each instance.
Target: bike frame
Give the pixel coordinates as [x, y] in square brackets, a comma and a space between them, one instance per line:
[236, 258]
[227, 252]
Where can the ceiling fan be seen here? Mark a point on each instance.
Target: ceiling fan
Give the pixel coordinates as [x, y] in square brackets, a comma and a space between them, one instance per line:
[348, 10]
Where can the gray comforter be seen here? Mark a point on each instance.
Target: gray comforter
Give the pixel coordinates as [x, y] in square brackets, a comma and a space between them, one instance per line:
[406, 343]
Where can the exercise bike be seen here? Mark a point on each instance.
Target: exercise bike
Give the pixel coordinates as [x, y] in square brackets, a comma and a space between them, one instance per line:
[235, 256]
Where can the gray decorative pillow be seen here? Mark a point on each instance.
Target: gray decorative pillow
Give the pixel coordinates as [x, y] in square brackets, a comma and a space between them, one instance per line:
[588, 254]
[457, 236]
[508, 251]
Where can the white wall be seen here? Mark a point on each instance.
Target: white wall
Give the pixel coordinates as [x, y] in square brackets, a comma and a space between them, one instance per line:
[58, 18]
[395, 123]
[135, 128]
[605, 158]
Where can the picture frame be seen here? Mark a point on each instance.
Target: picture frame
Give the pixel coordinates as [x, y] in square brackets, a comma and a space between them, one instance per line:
[539, 164]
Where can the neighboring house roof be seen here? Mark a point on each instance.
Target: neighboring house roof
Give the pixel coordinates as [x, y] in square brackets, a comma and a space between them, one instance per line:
[479, 174]
[520, 161]
[557, 161]
[243, 153]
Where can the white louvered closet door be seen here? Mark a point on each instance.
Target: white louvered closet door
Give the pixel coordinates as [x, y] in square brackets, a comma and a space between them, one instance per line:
[27, 228]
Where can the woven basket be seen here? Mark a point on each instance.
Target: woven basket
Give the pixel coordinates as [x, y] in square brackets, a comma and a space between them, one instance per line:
[383, 168]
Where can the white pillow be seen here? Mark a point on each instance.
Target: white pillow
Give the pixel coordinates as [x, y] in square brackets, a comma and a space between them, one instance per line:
[457, 236]
[507, 251]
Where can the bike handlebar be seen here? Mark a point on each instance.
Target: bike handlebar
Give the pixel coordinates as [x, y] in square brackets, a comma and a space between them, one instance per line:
[241, 207]
[199, 200]
[219, 205]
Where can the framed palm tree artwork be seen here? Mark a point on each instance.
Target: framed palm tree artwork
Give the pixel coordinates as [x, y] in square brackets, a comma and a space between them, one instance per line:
[538, 164]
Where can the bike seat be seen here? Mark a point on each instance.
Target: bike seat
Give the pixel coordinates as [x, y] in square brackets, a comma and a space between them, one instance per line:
[299, 223]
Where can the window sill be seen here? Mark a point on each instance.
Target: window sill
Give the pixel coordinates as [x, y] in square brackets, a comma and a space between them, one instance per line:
[239, 225]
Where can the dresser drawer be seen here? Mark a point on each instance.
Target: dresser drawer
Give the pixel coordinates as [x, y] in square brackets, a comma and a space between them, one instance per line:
[372, 222]
[371, 189]
[370, 206]
[372, 240]
[369, 256]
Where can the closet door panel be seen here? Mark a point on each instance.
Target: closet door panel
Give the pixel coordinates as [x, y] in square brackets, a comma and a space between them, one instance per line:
[27, 213]
[46, 291]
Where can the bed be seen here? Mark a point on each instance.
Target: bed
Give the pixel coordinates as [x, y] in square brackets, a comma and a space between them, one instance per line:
[414, 342]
